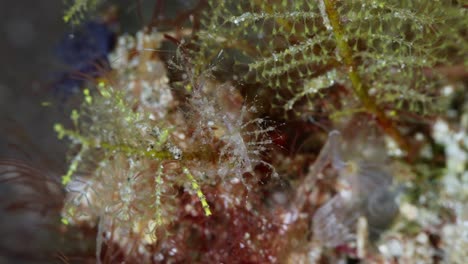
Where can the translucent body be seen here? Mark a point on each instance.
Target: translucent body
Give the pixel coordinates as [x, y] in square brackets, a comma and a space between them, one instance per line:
[367, 192]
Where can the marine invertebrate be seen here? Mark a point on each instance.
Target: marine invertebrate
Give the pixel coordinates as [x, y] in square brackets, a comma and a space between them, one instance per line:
[181, 173]
[224, 118]
[379, 50]
[77, 10]
[125, 179]
[132, 156]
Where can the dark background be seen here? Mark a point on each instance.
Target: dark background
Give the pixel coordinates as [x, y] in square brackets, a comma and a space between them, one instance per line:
[29, 30]
[28, 33]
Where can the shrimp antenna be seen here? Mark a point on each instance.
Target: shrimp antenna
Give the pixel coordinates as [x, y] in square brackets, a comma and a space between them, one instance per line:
[312, 120]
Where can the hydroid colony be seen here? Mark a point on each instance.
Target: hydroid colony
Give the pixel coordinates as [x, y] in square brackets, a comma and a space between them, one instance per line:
[182, 164]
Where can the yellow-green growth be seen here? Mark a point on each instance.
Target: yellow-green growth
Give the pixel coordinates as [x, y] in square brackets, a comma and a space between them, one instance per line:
[87, 96]
[332, 22]
[73, 167]
[75, 115]
[197, 189]
[61, 131]
[75, 13]
[158, 192]
[69, 213]
[65, 221]
[377, 47]
[114, 124]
